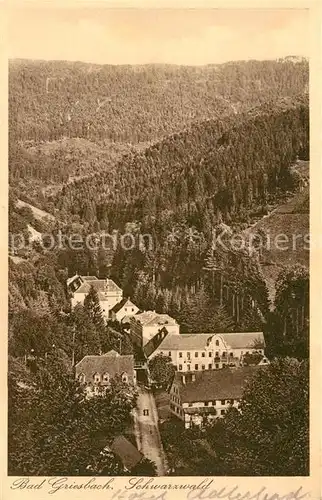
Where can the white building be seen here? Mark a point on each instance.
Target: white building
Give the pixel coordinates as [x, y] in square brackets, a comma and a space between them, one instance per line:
[146, 325]
[197, 398]
[109, 293]
[206, 351]
[124, 309]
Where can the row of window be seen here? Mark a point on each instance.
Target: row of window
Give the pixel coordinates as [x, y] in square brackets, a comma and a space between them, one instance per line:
[177, 410]
[175, 399]
[223, 402]
[203, 354]
[104, 378]
[203, 367]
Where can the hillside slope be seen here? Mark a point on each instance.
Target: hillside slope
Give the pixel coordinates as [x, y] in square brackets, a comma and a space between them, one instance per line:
[49, 100]
[225, 167]
[286, 240]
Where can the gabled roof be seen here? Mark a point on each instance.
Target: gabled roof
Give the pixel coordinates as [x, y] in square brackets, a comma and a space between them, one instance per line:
[111, 363]
[242, 340]
[215, 384]
[99, 285]
[152, 318]
[185, 341]
[126, 452]
[122, 303]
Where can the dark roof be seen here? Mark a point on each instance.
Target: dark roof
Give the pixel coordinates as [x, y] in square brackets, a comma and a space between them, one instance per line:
[209, 385]
[202, 409]
[119, 305]
[111, 363]
[155, 342]
[126, 452]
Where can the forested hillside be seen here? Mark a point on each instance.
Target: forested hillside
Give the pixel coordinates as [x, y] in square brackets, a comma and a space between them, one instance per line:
[159, 171]
[219, 173]
[222, 167]
[53, 99]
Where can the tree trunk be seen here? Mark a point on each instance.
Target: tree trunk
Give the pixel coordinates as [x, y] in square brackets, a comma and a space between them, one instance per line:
[221, 289]
[237, 307]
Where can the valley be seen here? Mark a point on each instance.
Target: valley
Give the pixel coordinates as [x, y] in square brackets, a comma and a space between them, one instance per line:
[152, 175]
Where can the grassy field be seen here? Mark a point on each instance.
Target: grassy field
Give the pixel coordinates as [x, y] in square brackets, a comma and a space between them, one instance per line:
[287, 231]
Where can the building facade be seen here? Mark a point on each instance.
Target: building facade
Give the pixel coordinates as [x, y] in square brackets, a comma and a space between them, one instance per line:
[205, 351]
[108, 292]
[98, 371]
[144, 326]
[124, 309]
[198, 398]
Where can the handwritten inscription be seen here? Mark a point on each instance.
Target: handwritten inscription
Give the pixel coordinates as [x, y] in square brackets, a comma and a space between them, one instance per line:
[234, 494]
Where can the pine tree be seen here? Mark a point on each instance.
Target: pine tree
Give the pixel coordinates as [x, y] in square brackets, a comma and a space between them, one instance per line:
[93, 309]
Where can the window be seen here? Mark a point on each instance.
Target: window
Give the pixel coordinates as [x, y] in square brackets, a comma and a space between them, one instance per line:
[132, 309]
[232, 401]
[203, 367]
[224, 354]
[106, 377]
[206, 403]
[210, 354]
[188, 368]
[214, 403]
[170, 354]
[217, 342]
[196, 367]
[217, 354]
[209, 366]
[203, 354]
[180, 354]
[180, 367]
[188, 355]
[97, 377]
[223, 412]
[196, 354]
[161, 352]
[231, 354]
[125, 377]
[247, 352]
[223, 401]
[190, 404]
[264, 360]
[217, 366]
[223, 365]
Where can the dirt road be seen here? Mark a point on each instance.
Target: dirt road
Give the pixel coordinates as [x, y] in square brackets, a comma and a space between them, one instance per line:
[147, 432]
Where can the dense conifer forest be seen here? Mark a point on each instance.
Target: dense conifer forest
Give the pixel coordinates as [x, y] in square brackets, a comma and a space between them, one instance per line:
[179, 154]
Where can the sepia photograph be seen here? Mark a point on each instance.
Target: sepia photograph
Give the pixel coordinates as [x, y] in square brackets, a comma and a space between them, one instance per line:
[159, 241]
